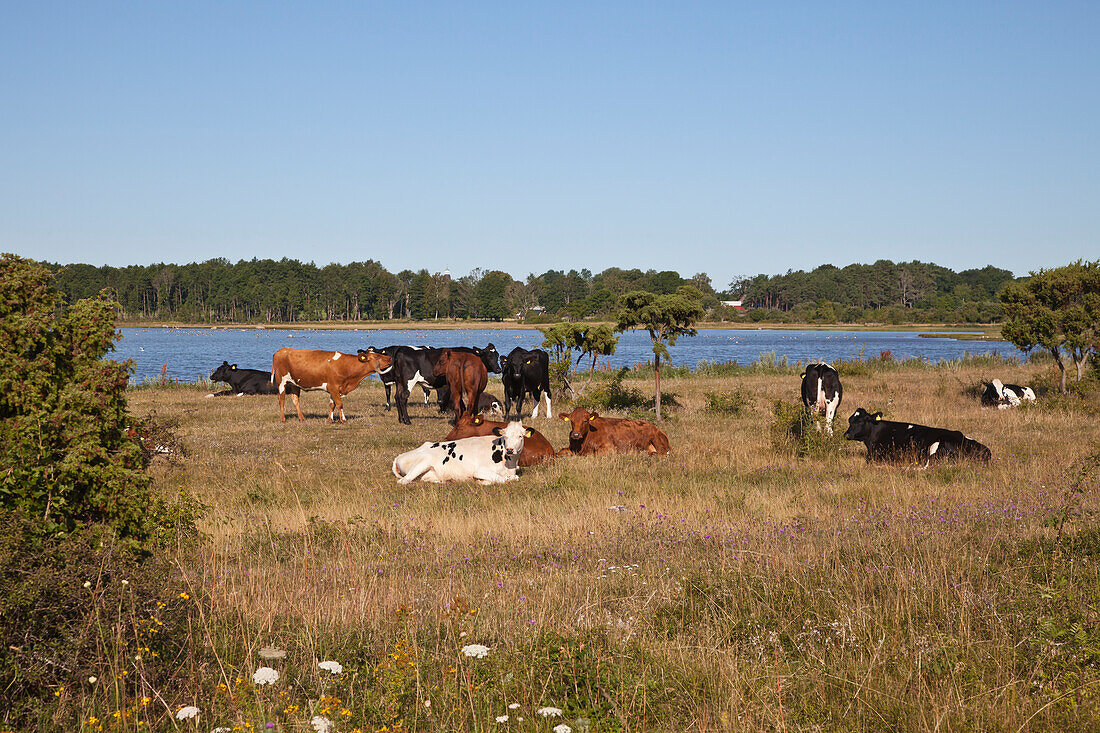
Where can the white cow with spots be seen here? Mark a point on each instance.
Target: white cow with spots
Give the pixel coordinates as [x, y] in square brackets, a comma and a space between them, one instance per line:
[487, 459]
[1002, 396]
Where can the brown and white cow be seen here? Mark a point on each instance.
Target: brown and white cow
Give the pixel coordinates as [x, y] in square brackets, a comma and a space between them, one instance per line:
[591, 434]
[332, 371]
[466, 377]
[536, 448]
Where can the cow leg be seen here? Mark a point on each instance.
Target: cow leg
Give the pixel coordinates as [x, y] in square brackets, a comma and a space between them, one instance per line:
[537, 397]
[415, 472]
[427, 393]
[295, 398]
[519, 405]
[337, 405]
[549, 412]
[401, 399]
[387, 386]
[830, 412]
[282, 405]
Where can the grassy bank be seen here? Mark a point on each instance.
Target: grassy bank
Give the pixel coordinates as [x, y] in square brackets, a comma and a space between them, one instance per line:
[746, 582]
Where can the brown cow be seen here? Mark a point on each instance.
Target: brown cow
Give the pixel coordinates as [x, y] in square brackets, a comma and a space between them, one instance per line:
[591, 434]
[536, 448]
[333, 371]
[466, 379]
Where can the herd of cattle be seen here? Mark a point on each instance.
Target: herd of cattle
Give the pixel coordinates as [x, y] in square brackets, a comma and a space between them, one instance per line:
[492, 452]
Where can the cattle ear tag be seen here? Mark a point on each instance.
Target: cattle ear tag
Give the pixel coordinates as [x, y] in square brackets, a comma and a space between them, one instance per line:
[232, 368]
[802, 375]
[362, 357]
[591, 418]
[878, 418]
[477, 420]
[563, 417]
[528, 432]
[527, 362]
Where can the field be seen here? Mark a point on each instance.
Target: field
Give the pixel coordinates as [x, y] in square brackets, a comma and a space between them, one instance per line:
[748, 581]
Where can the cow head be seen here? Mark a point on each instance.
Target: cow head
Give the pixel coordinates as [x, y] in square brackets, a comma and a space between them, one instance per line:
[861, 423]
[513, 434]
[580, 423]
[375, 360]
[490, 356]
[443, 360]
[221, 374]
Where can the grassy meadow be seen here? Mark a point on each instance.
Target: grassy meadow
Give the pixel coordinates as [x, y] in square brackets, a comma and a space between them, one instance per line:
[748, 581]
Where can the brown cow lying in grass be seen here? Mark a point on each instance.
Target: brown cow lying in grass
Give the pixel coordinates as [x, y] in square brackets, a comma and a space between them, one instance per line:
[591, 434]
[536, 448]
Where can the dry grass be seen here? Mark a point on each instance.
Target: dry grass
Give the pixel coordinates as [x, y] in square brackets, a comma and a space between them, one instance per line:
[729, 586]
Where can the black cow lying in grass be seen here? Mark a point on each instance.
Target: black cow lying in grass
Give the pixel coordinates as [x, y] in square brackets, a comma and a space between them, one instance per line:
[242, 381]
[887, 440]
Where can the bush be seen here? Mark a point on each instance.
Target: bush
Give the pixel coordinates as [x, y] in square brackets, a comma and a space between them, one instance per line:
[793, 433]
[613, 395]
[735, 402]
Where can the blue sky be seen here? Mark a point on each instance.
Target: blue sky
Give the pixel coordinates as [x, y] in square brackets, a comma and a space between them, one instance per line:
[726, 137]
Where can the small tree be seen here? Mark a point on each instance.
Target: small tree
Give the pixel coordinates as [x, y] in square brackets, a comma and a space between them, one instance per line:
[65, 453]
[1057, 310]
[666, 317]
[594, 342]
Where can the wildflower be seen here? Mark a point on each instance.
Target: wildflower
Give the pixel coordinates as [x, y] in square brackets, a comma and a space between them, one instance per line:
[222, 729]
[478, 651]
[514, 706]
[427, 703]
[502, 718]
[549, 712]
[265, 676]
[321, 724]
[563, 728]
[126, 582]
[92, 680]
[187, 712]
[331, 666]
[87, 584]
[270, 652]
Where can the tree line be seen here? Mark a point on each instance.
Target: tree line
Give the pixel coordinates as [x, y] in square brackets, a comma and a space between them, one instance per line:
[287, 291]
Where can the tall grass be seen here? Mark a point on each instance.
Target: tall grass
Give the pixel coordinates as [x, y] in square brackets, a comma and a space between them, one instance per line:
[734, 585]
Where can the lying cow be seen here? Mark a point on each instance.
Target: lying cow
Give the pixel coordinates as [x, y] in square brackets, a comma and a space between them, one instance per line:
[487, 403]
[822, 392]
[591, 434]
[332, 371]
[536, 448]
[241, 381]
[1002, 396]
[466, 377]
[487, 459]
[887, 440]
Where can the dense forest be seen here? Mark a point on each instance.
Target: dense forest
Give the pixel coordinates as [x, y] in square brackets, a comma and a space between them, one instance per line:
[287, 291]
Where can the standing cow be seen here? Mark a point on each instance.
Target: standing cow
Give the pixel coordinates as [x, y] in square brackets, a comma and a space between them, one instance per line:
[821, 392]
[414, 365]
[332, 371]
[466, 377]
[525, 371]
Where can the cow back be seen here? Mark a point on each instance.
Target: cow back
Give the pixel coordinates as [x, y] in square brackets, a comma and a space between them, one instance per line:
[536, 448]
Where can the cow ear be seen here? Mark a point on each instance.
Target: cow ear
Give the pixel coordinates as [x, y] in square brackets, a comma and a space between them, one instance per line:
[497, 431]
[563, 416]
[362, 357]
[528, 433]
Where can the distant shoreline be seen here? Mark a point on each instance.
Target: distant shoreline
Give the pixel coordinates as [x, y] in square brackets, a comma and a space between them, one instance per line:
[931, 330]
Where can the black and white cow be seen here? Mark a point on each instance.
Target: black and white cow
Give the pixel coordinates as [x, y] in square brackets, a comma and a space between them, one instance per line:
[242, 381]
[413, 365]
[525, 371]
[389, 378]
[887, 440]
[1003, 396]
[487, 459]
[822, 392]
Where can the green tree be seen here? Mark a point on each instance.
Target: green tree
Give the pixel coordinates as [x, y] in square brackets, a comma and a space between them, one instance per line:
[65, 457]
[489, 295]
[665, 317]
[1057, 310]
[594, 342]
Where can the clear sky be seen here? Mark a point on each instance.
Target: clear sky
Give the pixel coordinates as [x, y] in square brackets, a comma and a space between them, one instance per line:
[726, 137]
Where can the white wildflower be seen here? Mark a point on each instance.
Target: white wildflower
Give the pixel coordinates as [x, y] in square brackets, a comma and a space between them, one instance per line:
[265, 676]
[321, 724]
[187, 713]
[126, 582]
[514, 706]
[478, 651]
[427, 703]
[87, 584]
[563, 728]
[502, 718]
[270, 652]
[549, 712]
[222, 729]
[92, 680]
[331, 666]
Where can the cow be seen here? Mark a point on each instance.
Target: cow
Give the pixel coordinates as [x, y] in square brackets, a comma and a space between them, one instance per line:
[487, 403]
[524, 371]
[241, 381]
[887, 440]
[536, 448]
[487, 459]
[389, 375]
[413, 366]
[333, 371]
[1004, 396]
[591, 434]
[466, 377]
[821, 392]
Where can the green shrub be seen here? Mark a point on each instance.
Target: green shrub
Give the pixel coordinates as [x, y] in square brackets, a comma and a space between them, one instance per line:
[793, 433]
[613, 395]
[736, 402]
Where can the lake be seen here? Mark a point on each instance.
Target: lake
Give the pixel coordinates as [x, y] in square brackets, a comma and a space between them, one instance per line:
[192, 353]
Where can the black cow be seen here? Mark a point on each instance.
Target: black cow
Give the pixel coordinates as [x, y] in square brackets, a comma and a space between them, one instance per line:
[413, 365]
[389, 378]
[888, 440]
[1003, 396]
[242, 381]
[524, 371]
[822, 392]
